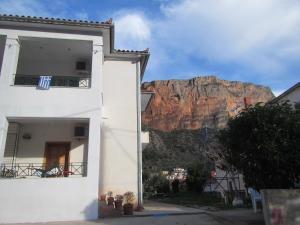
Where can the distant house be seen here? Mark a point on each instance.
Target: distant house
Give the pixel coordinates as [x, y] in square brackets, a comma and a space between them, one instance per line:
[292, 95]
[70, 118]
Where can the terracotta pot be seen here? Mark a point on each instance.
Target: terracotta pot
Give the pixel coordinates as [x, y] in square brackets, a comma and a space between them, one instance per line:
[118, 205]
[110, 201]
[128, 209]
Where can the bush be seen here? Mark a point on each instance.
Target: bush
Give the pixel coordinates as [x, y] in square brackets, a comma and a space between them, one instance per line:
[175, 186]
[197, 175]
[157, 184]
[263, 143]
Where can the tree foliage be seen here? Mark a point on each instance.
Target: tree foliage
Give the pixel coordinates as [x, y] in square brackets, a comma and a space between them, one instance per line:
[197, 175]
[156, 183]
[263, 143]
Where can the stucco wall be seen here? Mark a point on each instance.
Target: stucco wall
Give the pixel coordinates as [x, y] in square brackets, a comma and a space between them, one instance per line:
[281, 206]
[42, 200]
[119, 128]
[293, 97]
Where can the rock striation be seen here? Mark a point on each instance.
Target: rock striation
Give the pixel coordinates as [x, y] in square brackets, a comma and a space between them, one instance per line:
[199, 102]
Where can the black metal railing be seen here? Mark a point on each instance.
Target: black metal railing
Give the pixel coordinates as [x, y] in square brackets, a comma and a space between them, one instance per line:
[27, 170]
[56, 81]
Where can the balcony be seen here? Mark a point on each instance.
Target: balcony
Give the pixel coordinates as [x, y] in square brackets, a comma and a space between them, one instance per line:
[56, 81]
[44, 148]
[40, 170]
[69, 62]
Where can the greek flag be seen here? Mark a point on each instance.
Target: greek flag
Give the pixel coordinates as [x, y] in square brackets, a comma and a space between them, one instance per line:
[44, 82]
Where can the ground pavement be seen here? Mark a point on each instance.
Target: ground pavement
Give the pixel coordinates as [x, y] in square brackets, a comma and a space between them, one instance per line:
[166, 214]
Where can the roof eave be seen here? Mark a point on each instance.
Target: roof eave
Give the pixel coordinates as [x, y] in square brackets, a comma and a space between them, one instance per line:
[291, 89]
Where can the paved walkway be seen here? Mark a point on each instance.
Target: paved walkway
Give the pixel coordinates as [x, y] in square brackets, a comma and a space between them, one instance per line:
[152, 208]
[165, 214]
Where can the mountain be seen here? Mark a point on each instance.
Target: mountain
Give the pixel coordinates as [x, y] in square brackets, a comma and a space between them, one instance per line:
[177, 148]
[199, 102]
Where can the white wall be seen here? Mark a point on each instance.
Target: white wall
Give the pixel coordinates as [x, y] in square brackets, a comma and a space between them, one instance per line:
[145, 139]
[42, 200]
[293, 97]
[119, 128]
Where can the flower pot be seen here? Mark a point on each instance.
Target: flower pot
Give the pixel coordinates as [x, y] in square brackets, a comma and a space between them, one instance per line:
[110, 201]
[118, 205]
[128, 209]
[102, 197]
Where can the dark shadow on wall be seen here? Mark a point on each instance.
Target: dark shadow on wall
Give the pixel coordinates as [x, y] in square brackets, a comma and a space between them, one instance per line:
[91, 212]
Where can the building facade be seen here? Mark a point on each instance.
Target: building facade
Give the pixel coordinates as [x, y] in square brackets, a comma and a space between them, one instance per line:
[292, 95]
[63, 146]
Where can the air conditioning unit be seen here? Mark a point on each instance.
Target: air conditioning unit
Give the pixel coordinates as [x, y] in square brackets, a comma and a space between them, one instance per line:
[81, 67]
[80, 132]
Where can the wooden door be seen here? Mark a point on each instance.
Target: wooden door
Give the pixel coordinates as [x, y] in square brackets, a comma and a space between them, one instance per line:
[57, 154]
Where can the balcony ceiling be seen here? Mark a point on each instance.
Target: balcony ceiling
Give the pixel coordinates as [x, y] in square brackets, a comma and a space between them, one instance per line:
[32, 120]
[43, 49]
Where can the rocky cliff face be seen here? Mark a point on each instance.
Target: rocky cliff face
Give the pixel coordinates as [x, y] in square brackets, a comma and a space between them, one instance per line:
[199, 102]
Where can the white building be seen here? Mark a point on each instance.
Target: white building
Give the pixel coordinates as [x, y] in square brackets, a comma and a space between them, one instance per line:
[85, 127]
[292, 95]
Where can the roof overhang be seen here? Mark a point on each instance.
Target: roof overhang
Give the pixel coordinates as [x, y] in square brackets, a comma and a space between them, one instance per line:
[288, 91]
[105, 29]
[141, 56]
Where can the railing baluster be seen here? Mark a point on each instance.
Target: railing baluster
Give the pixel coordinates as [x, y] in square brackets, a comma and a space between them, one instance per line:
[27, 170]
[57, 81]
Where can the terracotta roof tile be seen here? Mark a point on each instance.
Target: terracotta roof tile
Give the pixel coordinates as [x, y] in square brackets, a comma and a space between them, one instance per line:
[146, 51]
[69, 22]
[57, 21]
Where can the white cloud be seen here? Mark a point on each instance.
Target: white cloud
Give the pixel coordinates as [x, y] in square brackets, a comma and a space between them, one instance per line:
[33, 8]
[277, 92]
[259, 38]
[132, 31]
[55, 8]
[257, 34]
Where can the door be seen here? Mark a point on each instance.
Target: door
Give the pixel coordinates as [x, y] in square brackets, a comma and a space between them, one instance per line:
[57, 154]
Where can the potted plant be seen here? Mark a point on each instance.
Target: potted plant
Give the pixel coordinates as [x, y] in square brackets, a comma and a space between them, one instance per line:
[118, 202]
[103, 197]
[110, 198]
[128, 203]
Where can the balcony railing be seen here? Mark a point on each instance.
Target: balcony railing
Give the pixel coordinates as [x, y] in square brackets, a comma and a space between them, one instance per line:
[56, 81]
[38, 170]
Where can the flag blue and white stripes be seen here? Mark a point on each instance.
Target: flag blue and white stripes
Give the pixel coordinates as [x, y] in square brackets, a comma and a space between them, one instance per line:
[44, 82]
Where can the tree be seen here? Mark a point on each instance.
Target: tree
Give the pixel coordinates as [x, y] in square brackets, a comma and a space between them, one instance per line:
[156, 183]
[197, 175]
[263, 143]
[175, 185]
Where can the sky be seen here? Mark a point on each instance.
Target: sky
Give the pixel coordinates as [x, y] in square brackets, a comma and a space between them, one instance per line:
[255, 41]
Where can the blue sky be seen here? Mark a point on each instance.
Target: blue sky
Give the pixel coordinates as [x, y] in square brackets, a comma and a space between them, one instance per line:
[248, 40]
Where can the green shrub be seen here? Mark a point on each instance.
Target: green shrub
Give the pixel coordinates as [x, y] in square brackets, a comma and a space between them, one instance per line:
[175, 185]
[157, 184]
[197, 175]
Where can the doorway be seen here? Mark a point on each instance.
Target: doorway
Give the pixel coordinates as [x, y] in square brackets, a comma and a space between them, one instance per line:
[57, 154]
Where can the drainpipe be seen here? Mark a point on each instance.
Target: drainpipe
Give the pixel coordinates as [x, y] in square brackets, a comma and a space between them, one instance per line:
[139, 144]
